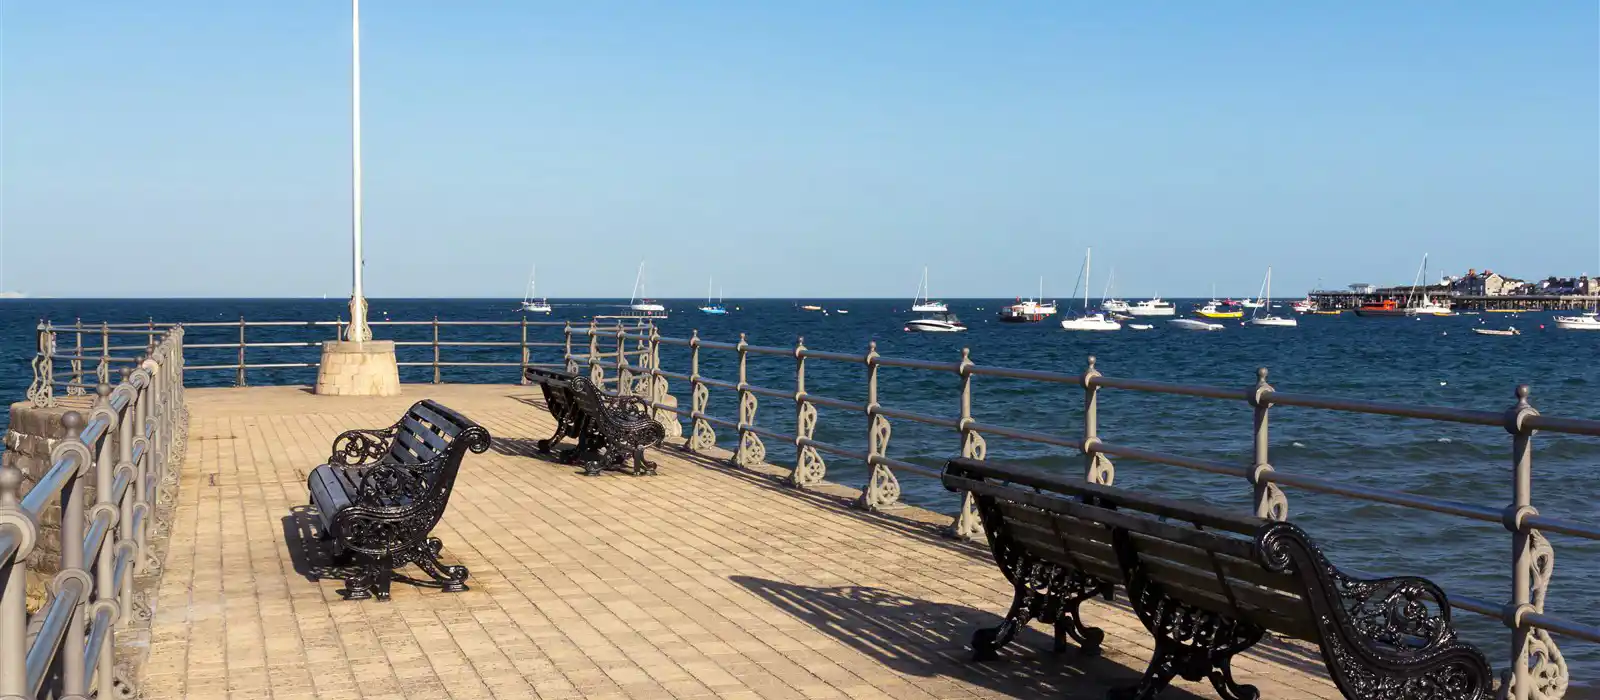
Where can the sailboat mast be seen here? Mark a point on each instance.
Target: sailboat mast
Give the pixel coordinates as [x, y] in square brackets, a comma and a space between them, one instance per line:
[1086, 252]
[637, 279]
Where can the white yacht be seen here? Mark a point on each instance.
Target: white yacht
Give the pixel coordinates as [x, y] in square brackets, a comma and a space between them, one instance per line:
[1582, 322]
[1111, 304]
[1153, 307]
[532, 302]
[1195, 324]
[639, 302]
[1269, 319]
[936, 322]
[921, 302]
[1095, 321]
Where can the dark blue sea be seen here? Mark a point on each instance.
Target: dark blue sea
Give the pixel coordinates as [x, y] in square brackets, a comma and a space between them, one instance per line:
[1431, 360]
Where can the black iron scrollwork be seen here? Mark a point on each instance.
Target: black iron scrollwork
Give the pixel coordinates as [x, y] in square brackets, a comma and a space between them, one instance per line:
[356, 448]
[615, 430]
[1381, 638]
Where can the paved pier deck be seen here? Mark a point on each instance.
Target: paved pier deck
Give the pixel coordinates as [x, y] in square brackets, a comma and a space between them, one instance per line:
[705, 581]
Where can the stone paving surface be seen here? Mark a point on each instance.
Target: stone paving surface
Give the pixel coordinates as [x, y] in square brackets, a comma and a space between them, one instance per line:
[705, 581]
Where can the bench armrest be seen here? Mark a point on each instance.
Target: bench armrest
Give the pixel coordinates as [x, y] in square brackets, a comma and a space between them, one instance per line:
[361, 447]
[631, 407]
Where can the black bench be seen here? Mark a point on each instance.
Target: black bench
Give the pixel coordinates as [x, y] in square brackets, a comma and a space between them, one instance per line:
[383, 490]
[613, 430]
[1208, 584]
[556, 385]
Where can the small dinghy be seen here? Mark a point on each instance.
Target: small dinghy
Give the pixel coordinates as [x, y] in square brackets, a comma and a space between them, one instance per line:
[1496, 331]
[1139, 327]
[1195, 324]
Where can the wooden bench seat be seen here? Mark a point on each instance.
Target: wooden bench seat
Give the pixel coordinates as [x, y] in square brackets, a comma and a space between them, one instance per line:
[1208, 584]
[383, 490]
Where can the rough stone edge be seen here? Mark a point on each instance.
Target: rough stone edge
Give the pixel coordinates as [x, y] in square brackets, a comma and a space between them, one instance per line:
[133, 641]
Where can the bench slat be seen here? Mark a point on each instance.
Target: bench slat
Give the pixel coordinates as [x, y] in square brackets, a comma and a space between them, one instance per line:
[446, 421]
[1271, 610]
[1234, 567]
[414, 445]
[1095, 558]
[416, 428]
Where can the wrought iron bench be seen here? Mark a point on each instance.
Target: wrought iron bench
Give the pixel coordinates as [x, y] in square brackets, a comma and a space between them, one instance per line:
[1208, 584]
[556, 386]
[612, 430]
[383, 490]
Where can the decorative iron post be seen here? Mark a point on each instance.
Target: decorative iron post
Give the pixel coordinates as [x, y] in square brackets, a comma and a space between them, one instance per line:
[13, 598]
[239, 379]
[1537, 667]
[566, 353]
[42, 391]
[435, 349]
[882, 489]
[597, 374]
[809, 468]
[103, 372]
[701, 436]
[76, 388]
[1097, 468]
[624, 376]
[751, 450]
[1271, 503]
[523, 378]
[968, 524]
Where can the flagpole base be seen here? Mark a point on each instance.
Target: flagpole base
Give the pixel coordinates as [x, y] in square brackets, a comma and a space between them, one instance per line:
[358, 369]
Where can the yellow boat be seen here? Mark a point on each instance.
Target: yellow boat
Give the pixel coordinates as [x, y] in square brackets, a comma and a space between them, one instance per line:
[1329, 312]
[1504, 311]
[1217, 309]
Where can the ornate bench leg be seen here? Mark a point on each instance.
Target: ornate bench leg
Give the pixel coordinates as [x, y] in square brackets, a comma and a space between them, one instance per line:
[370, 580]
[452, 579]
[1070, 622]
[987, 641]
[1163, 666]
[641, 465]
[561, 431]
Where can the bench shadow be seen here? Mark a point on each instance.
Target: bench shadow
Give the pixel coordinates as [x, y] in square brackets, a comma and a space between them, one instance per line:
[921, 638]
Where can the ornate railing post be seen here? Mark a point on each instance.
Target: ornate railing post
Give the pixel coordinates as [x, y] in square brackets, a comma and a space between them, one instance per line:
[566, 353]
[1097, 468]
[435, 349]
[701, 436]
[149, 432]
[597, 374]
[809, 468]
[103, 372]
[16, 522]
[882, 489]
[624, 374]
[42, 391]
[1537, 667]
[240, 379]
[1270, 501]
[523, 378]
[76, 388]
[968, 524]
[751, 450]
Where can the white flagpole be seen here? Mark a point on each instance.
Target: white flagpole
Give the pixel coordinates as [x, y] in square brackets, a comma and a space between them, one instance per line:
[359, 331]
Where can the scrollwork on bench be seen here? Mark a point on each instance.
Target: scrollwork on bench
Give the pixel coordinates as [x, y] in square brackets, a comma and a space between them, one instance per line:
[356, 448]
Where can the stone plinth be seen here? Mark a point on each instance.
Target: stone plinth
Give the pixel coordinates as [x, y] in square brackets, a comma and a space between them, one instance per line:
[358, 369]
[33, 432]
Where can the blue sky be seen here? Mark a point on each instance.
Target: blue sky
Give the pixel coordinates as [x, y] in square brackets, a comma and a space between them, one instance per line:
[795, 149]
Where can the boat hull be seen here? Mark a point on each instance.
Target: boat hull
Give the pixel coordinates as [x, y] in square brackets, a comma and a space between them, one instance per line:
[927, 326]
[1194, 324]
[1384, 313]
[1152, 311]
[1578, 323]
[1274, 322]
[1090, 324]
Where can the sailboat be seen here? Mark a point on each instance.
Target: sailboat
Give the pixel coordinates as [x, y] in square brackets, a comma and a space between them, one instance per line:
[1096, 321]
[639, 302]
[1111, 303]
[710, 308]
[532, 302]
[921, 302]
[1425, 306]
[1270, 319]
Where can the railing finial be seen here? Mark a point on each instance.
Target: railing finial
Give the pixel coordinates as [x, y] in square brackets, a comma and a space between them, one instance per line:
[72, 421]
[1261, 375]
[1091, 363]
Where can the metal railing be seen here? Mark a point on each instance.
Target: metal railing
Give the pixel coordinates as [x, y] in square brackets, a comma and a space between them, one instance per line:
[76, 357]
[126, 450]
[1536, 667]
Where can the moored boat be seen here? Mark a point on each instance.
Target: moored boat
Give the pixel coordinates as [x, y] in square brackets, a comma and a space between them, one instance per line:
[1153, 306]
[1496, 331]
[944, 322]
[1195, 324]
[1582, 322]
[921, 302]
[639, 302]
[1269, 319]
[1220, 309]
[1387, 307]
[716, 309]
[1089, 321]
[532, 302]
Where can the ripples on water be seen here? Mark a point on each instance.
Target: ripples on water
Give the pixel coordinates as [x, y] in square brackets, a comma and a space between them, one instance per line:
[1434, 360]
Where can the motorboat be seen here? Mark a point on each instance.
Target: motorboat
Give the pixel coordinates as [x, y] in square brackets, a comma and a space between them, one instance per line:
[1269, 319]
[638, 302]
[1582, 322]
[1253, 303]
[1115, 306]
[1195, 324]
[1022, 312]
[1089, 321]
[810, 307]
[532, 302]
[1328, 312]
[1385, 308]
[1139, 327]
[1108, 303]
[1496, 331]
[841, 311]
[921, 303]
[1153, 307]
[1220, 309]
[716, 309]
[1426, 306]
[1303, 306]
[940, 322]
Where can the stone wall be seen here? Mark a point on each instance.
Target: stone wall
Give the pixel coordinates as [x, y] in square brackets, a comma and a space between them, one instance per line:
[358, 369]
[33, 433]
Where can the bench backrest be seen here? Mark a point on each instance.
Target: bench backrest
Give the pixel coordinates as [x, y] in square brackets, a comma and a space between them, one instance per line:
[588, 401]
[556, 387]
[1202, 555]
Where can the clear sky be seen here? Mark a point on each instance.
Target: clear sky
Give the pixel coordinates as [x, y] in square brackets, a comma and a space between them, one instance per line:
[798, 149]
